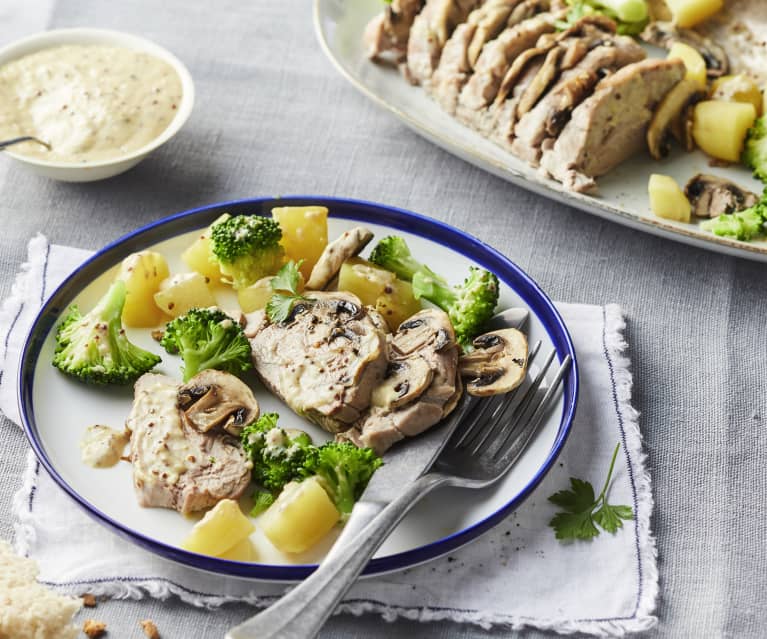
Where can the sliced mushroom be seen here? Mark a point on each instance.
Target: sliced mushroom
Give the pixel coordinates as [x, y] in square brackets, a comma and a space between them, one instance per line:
[665, 34]
[681, 128]
[497, 364]
[348, 245]
[215, 399]
[711, 196]
[670, 110]
[405, 381]
[422, 328]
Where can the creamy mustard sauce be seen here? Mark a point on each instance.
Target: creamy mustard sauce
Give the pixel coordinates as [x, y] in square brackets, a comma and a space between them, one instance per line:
[90, 103]
[102, 446]
[160, 450]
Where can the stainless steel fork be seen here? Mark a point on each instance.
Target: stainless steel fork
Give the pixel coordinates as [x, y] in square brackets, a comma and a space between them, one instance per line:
[492, 435]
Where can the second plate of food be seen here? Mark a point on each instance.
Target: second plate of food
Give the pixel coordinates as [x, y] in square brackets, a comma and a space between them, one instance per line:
[58, 409]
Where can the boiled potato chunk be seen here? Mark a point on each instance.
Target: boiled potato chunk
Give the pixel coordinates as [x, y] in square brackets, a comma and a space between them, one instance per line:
[301, 516]
[737, 88]
[199, 257]
[222, 527]
[255, 296]
[241, 551]
[397, 303]
[688, 13]
[693, 62]
[366, 280]
[304, 233]
[667, 200]
[183, 291]
[142, 273]
[720, 128]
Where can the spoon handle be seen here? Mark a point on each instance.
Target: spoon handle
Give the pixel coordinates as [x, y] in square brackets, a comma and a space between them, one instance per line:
[24, 138]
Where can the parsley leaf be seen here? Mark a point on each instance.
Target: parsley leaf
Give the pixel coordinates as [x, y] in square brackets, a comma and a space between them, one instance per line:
[582, 512]
[285, 287]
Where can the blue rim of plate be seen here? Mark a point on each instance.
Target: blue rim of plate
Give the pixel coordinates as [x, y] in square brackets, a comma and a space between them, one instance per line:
[357, 210]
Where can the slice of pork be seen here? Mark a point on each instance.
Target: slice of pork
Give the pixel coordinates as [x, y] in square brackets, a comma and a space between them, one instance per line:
[386, 35]
[533, 71]
[462, 50]
[324, 361]
[496, 57]
[711, 196]
[421, 386]
[611, 125]
[174, 464]
[548, 117]
[430, 31]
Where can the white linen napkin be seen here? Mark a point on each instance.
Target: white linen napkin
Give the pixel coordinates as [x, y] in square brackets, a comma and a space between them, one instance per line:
[515, 575]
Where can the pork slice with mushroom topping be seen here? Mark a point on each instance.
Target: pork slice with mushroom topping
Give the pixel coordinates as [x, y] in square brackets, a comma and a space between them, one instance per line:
[421, 385]
[386, 35]
[324, 360]
[175, 464]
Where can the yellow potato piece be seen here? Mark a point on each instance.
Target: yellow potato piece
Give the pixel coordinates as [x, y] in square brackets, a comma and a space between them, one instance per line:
[241, 551]
[397, 303]
[693, 62]
[183, 291]
[255, 296]
[667, 200]
[688, 13]
[142, 273]
[737, 88]
[222, 527]
[199, 257]
[720, 128]
[304, 233]
[301, 516]
[366, 280]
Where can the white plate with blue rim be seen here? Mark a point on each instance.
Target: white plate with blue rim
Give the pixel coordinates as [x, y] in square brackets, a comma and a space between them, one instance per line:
[57, 409]
[623, 196]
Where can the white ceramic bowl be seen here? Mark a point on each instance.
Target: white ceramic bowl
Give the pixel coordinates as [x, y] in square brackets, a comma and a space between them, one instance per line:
[90, 171]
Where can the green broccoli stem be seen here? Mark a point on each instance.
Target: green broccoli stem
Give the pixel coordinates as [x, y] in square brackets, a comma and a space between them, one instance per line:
[625, 10]
[430, 286]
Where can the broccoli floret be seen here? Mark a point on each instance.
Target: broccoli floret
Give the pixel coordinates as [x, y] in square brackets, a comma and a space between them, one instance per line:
[247, 248]
[469, 305]
[94, 347]
[207, 338]
[261, 502]
[393, 254]
[755, 149]
[744, 225]
[343, 470]
[277, 457]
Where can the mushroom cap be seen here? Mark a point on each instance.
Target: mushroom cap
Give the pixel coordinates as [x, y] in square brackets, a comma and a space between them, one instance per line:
[216, 399]
[671, 109]
[497, 364]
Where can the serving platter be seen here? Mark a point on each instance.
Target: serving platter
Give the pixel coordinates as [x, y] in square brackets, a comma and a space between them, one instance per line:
[57, 409]
[622, 198]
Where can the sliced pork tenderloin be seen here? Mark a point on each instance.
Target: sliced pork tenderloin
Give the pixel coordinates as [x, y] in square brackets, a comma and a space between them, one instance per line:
[421, 386]
[175, 465]
[610, 126]
[324, 361]
[386, 35]
[551, 113]
[496, 58]
[430, 31]
[462, 50]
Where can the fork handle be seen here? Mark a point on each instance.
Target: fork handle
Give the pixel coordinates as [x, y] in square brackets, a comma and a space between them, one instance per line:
[301, 613]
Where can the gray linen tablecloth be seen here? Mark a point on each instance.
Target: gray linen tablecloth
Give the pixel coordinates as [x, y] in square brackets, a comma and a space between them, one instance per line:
[272, 116]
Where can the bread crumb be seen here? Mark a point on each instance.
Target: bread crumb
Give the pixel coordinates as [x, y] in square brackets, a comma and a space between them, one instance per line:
[150, 630]
[94, 628]
[89, 601]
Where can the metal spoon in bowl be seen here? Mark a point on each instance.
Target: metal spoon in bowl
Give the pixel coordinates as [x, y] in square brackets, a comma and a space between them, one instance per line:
[25, 138]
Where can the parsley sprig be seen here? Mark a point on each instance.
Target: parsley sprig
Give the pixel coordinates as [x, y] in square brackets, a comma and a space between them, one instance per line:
[285, 287]
[582, 512]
